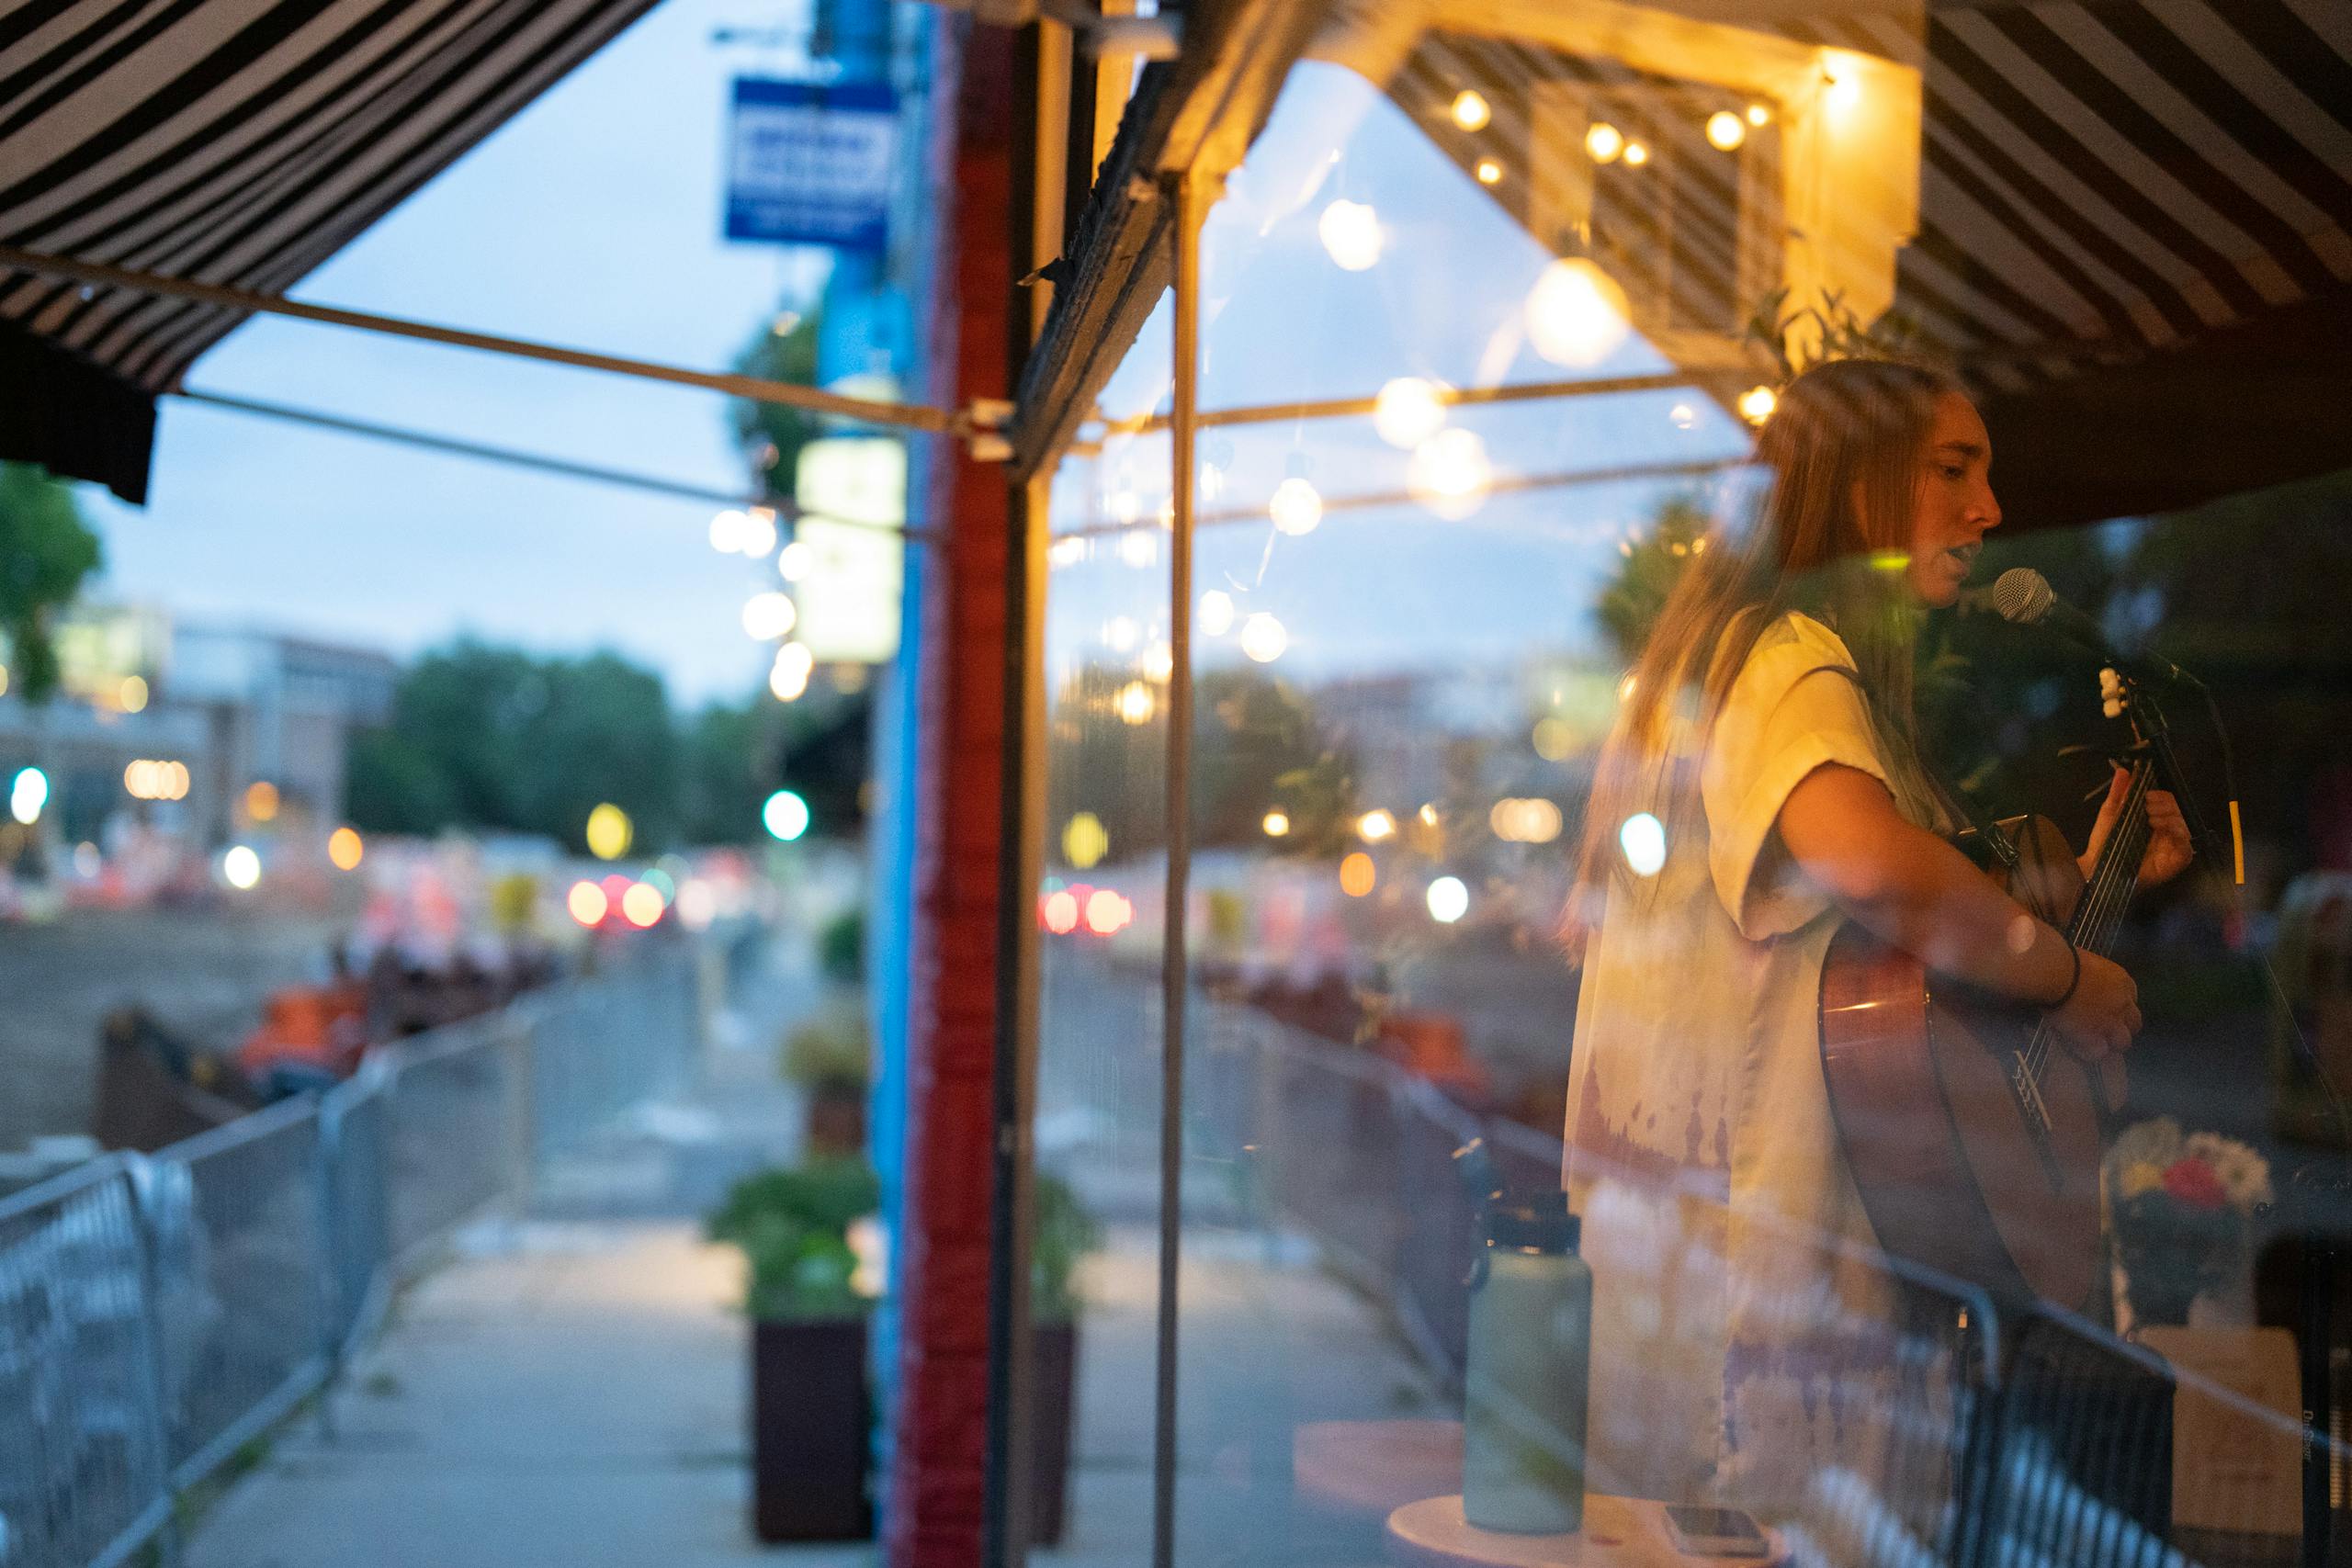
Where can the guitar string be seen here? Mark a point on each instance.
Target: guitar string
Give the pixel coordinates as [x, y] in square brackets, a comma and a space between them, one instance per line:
[2113, 882]
[2102, 906]
[2106, 900]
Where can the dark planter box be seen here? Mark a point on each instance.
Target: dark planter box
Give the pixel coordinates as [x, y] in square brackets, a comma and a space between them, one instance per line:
[811, 1420]
[1053, 1414]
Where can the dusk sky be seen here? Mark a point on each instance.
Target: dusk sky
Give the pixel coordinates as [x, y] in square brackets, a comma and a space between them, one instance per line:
[590, 221]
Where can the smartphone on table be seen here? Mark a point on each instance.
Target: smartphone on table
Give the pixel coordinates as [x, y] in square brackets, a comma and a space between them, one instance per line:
[1714, 1533]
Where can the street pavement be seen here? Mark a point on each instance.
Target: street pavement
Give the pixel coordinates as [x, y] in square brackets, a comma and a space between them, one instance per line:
[569, 1388]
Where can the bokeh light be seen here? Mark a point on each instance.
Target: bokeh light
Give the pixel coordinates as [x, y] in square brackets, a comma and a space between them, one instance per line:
[757, 536]
[788, 676]
[1725, 130]
[1108, 912]
[345, 849]
[1276, 824]
[1408, 412]
[795, 561]
[262, 801]
[241, 868]
[1215, 613]
[1604, 141]
[1448, 901]
[767, 616]
[1136, 703]
[1263, 638]
[1471, 111]
[27, 795]
[1060, 912]
[1085, 841]
[786, 816]
[1295, 506]
[1643, 837]
[642, 905]
[727, 532]
[1756, 403]
[1351, 234]
[1450, 474]
[609, 833]
[1357, 874]
[1375, 825]
[1576, 314]
[132, 696]
[587, 903]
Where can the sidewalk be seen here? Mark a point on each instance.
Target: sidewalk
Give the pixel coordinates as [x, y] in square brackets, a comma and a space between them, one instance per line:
[566, 1390]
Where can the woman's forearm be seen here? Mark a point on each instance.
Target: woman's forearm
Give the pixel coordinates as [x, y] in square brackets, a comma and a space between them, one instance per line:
[1914, 890]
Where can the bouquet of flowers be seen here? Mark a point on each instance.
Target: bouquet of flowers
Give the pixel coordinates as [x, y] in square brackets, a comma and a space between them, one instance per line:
[2181, 1207]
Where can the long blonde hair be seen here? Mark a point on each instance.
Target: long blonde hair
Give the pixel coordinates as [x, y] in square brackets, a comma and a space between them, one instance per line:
[1845, 431]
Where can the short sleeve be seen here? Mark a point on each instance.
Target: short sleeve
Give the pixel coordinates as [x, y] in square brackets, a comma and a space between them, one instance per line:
[1795, 707]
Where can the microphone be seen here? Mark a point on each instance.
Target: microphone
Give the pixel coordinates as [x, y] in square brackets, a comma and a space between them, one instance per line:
[2022, 596]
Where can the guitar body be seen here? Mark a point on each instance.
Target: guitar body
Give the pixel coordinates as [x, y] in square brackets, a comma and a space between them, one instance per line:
[1952, 1171]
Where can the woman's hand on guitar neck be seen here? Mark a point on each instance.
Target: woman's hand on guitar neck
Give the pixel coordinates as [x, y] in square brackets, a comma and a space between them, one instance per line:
[2103, 1013]
[2169, 848]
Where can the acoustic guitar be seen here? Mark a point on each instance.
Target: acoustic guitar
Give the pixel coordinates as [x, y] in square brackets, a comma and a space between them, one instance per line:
[1973, 1136]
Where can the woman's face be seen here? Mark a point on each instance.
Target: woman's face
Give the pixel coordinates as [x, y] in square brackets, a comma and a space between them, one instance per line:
[1955, 505]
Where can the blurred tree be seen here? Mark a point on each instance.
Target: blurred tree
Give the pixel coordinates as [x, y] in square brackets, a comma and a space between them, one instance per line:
[485, 737]
[46, 551]
[1629, 606]
[772, 435]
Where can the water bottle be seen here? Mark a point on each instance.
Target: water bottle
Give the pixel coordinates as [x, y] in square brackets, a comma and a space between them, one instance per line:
[1531, 1339]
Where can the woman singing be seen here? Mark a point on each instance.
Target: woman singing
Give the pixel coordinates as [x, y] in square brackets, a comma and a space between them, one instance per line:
[1767, 735]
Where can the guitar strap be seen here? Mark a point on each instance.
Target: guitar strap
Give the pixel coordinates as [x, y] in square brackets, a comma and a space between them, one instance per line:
[1955, 803]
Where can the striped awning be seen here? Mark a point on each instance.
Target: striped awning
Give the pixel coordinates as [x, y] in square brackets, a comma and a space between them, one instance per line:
[2109, 189]
[239, 142]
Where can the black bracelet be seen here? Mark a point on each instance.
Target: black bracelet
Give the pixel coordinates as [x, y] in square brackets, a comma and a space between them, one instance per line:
[2076, 979]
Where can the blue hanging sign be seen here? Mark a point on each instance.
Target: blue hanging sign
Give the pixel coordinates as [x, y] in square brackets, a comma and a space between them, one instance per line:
[810, 164]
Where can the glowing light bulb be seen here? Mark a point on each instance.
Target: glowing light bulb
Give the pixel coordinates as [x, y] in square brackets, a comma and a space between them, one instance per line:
[1263, 638]
[1636, 154]
[1276, 824]
[1408, 412]
[1137, 703]
[757, 536]
[1725, 130]
[1375, 825]
[1294, 507]
[1758, 116]
[1576, 314]
[1756, 403]
[1215, 613]
[1139, 549]
[767, 616]
[1489, 171]
[1351, 234]
[1643, 837]
[1604, 141]
[1448, 901]
[1120, 634]
[1471, 111]
[1450, 474]
[727, 532]
[795, 561]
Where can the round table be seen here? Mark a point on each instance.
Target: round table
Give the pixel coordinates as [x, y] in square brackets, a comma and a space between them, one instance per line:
[1618, 1532]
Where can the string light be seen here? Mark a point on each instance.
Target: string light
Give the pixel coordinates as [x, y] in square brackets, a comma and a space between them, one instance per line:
[1450, 474]
[1294, 507]
[1758, 116]
[1489, 171]
[1351, 234]
[1576, 314]
[1408, 412]
[1604, 141]
[1471, 111]
[1636, 154]
[1756, 403]
[1725, 130]
[1263, 638]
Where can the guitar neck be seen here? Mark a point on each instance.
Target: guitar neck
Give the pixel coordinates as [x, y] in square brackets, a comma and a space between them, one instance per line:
[2099, 914]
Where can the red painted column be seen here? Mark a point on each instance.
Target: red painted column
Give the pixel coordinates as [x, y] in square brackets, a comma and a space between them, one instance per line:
[932, 1518]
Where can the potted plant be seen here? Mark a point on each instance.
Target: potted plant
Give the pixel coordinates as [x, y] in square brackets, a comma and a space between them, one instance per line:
[830, 1059]
[807, 1234]
[2183, 1208]
[1062, 1232]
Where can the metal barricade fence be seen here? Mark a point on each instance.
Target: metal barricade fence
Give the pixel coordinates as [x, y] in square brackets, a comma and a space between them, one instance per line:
[237, 1221]
[157, 1313]
[81, 1456]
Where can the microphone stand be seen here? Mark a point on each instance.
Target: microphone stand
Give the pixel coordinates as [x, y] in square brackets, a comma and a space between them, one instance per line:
[2320, 1188]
